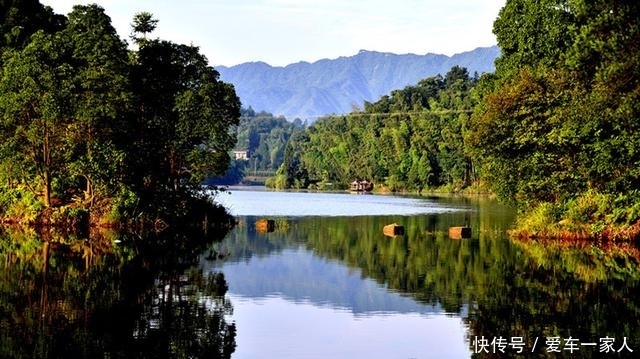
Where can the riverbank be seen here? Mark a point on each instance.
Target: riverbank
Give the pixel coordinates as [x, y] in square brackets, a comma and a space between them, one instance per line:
[536, 226]
[592, 217]
[104, 213]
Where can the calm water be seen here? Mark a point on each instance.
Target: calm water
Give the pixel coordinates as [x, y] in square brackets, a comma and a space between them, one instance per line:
[326, 283]
[291, 300]
[323, 282]
[249, 202]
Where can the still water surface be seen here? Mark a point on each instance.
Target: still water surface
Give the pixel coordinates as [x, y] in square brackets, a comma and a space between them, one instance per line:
[326, 283]
[292, 302]
[323, 282]
[249, 202]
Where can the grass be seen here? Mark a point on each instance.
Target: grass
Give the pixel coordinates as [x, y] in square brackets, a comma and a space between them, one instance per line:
[591, 216]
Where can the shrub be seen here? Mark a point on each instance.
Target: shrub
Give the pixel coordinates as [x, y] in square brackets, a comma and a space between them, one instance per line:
[20, 204]
[125, 204]
[279, 181]
[540, 221]
[589, 207]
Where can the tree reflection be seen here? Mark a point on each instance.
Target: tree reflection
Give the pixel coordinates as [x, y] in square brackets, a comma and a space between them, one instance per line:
[563, 290]
[501, 288]
[68, 297]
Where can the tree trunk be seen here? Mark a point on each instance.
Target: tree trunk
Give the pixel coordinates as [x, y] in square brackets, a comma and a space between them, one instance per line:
[46, 175]
[88, 194]
[47, 188]
[43, 292]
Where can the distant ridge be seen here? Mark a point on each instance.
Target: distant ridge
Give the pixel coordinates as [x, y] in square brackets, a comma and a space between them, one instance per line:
[310, 90]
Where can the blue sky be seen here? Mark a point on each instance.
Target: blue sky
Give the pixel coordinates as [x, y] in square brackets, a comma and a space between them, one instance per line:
[281, 32]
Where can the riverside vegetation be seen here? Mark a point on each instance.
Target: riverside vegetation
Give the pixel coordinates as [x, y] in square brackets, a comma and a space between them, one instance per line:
[94, 132]
[95, 135]
[554, 131]
[91, 127]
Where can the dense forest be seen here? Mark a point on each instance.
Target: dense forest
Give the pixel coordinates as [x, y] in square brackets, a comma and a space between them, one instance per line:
[262, 138]
[409, 140]
[557, 130]
[554, 131]
[89, 126]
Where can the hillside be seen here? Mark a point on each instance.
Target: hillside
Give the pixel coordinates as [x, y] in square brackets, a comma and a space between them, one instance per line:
[308, 90]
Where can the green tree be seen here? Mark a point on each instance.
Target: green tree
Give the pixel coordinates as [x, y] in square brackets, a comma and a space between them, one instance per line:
[79, 112]
[265, 137]
[561, 119]
[100, 97]
[20, 19]
[526, 155]
[531, 32]
[62, 93]
[184, 113]
[604, 61]
[35, 108]
[143, 23]
[292, 173]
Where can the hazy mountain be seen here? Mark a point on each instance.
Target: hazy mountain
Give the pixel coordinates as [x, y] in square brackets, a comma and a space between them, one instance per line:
[308, 90]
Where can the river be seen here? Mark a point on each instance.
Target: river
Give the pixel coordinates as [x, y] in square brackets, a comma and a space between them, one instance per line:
[292, 300]
[320, 280]
[327, 283]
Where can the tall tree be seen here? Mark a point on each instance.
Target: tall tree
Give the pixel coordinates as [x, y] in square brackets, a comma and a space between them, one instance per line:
[605, 62]
[20, 19]
[35, 107]
[143, 23]
[531, 32]
[184, 114]
[100, 95]
[562, 117]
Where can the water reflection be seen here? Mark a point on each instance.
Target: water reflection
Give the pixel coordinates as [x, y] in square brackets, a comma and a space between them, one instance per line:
[300, 277]
[585, 293]
[337, 272]
[325, 287]
[242, 202]
[274, 327]
[63, 296]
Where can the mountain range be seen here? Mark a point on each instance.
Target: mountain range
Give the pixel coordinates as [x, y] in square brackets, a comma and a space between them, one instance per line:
[310, 90]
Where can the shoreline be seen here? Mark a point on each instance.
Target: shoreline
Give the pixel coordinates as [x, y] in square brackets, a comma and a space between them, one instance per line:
[579, 232]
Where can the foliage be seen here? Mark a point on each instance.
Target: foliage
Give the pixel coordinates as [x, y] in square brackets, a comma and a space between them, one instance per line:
[19, 204]
[83, 119]
[126, 204]
[183, 115]
[558, 122]
[529, 142]
[531, 32]
[34, 106]
[591, 215]
[143, 23]
[292, 173]
[412, 139]
[20, 19]
[101, 91]
[264, 137]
